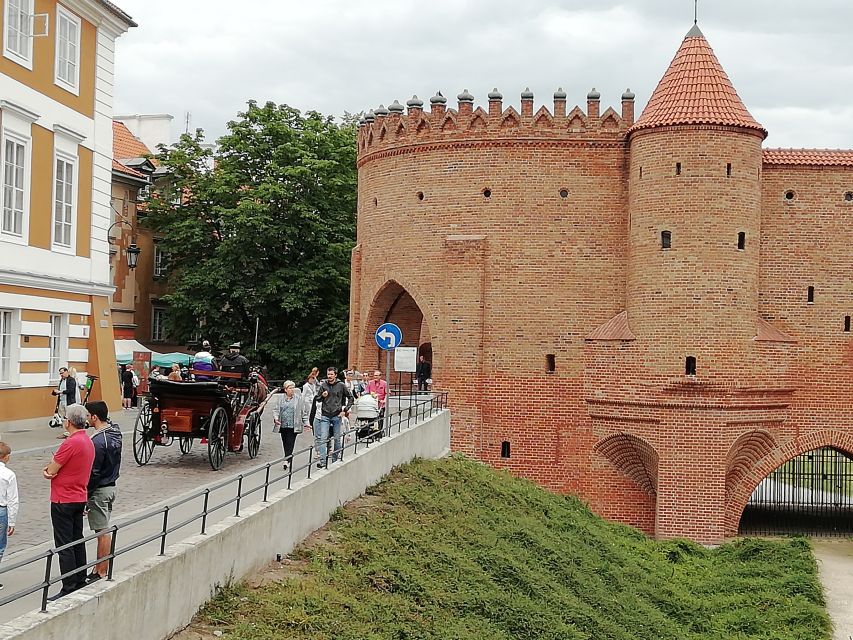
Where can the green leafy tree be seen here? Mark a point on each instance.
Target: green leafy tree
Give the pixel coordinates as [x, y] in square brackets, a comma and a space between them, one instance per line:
[266, 233]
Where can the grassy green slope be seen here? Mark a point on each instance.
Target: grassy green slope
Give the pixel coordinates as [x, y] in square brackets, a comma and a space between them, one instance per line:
[453, 549]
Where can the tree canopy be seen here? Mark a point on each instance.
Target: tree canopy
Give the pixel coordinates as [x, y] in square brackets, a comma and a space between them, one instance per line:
[265, 234]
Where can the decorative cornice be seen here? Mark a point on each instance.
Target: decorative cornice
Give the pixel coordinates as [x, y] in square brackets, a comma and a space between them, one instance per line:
[66, 132]
[53, 283]
[479, 143]
[18, 110]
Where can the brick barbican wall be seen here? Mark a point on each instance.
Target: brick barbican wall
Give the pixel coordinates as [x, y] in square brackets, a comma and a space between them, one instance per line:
[512, 237]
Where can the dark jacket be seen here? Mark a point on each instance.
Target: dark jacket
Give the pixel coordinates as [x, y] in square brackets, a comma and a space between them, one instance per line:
[68, 388]
[424, 370]
[235, 362]
[105, 468]
[339, 398]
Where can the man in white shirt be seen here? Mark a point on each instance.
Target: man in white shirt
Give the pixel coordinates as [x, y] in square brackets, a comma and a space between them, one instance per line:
[8, 498]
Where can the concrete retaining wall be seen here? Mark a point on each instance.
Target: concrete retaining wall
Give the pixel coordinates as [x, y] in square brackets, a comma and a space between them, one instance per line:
[157, 597]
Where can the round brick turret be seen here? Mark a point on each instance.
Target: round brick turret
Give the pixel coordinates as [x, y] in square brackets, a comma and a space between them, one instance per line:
[694, 187]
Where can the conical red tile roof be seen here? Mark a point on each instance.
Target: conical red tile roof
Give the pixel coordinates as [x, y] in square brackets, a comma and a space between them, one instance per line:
[695, 90]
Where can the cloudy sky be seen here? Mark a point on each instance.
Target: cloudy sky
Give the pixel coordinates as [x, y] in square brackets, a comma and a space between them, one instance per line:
[791, 61]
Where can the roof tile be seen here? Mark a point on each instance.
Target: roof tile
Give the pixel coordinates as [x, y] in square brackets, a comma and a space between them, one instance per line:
[813, 157]
[695, 90]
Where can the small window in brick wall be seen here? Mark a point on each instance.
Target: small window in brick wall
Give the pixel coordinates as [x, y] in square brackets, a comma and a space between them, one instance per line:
[641, 173]
[505, 449]
[741, 240]
[690, 366]
[810, 295]
[550, 363]
[678, 168]
[847, 324]
[666, 239]
[729, 170]
[848, 197]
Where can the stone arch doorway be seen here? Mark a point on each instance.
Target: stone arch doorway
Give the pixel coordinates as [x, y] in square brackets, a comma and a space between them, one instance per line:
[804, 488]
[395, 303]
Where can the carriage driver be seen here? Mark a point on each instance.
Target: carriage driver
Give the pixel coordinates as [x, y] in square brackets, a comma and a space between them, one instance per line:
[234, 361]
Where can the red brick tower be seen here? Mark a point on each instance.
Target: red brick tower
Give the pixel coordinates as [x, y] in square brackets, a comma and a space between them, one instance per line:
[639, 313]
[690, 378]
[694, 188]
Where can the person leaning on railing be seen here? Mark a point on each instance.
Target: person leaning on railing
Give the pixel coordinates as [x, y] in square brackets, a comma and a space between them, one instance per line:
[68, 472]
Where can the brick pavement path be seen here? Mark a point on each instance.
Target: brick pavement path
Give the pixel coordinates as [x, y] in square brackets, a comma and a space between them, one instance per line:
[169, 474]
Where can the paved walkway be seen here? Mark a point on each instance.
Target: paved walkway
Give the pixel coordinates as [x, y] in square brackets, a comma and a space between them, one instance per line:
[835, 561]
[167, 475]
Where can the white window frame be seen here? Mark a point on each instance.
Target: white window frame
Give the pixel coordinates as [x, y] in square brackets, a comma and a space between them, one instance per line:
[71, 247]
[26, 141]
[6, 337]
[161, 266]
[15, 56]
[74, 86]
[55, 346]
[158, 331]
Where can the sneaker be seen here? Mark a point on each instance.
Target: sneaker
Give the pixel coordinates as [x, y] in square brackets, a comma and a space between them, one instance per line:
[93, 577]
[1, 587]
[321, 465]
[57, 596]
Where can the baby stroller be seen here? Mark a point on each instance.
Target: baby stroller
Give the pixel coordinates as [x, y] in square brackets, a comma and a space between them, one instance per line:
[368, 418]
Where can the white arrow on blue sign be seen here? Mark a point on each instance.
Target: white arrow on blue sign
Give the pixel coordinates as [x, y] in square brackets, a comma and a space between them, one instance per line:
[388, 336]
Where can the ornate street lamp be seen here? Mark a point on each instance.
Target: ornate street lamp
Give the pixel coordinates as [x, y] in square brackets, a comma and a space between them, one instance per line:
[132, 251]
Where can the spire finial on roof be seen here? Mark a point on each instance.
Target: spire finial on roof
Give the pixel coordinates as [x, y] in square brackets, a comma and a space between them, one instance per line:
[696, 12]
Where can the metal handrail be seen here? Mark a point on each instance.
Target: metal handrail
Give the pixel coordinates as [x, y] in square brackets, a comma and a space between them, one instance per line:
[422, 409]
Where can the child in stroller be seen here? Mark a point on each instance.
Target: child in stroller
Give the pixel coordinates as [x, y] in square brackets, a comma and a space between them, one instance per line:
[368, 418]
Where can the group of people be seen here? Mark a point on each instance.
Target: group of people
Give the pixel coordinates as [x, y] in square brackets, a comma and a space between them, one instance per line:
[324, 407]
[82, 475]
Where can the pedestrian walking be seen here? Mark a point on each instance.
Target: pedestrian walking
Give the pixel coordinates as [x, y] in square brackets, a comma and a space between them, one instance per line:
[69, 472]
[309, 391]
[126, 386]
[290, 419]
[101, 490]
[423, 372]
[8, 498]
[336, 400]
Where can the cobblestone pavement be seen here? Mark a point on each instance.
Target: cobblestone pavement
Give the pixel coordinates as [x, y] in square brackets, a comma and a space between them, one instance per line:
[168, 474]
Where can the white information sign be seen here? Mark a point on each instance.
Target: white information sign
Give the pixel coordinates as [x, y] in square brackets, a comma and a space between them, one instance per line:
[406, 359]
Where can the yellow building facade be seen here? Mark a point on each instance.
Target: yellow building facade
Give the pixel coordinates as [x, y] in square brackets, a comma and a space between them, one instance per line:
[56, 107]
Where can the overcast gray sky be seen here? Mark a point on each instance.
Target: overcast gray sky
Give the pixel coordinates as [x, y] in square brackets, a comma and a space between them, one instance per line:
[790, 60]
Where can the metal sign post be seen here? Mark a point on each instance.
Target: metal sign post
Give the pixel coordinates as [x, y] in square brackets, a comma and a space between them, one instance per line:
[388, 337]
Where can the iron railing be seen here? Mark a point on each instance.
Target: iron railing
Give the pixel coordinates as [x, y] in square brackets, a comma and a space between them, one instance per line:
[272, 472]
[811, 494]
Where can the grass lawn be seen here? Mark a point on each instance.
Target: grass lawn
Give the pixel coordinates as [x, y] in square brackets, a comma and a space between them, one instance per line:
[452, 549]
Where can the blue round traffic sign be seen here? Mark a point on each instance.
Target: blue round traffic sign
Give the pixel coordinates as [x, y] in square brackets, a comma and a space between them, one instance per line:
[388, 336]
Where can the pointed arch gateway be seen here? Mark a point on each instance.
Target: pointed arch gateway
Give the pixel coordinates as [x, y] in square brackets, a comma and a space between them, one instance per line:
[396, 303]
[803, 487]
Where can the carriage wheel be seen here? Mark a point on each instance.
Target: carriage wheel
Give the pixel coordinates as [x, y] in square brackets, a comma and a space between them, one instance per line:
[143, 444]
[186, 444]
[253, 433]
[217, 434]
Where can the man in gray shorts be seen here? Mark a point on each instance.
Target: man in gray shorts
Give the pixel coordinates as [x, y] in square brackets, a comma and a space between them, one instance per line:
[102, 482]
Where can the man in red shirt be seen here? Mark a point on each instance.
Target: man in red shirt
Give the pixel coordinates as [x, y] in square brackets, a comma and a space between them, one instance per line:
[69, 473]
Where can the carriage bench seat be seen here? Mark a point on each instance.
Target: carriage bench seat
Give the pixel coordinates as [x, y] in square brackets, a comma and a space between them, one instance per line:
[197, 389]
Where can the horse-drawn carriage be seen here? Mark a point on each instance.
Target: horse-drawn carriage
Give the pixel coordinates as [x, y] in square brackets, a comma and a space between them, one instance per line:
[224, 411]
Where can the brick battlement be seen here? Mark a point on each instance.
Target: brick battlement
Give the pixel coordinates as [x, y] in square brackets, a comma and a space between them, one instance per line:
[397, 129]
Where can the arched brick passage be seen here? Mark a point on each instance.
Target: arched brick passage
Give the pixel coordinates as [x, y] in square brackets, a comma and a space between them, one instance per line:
[633, 457]
[736, 501]
[394, 303]
[746, 451]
